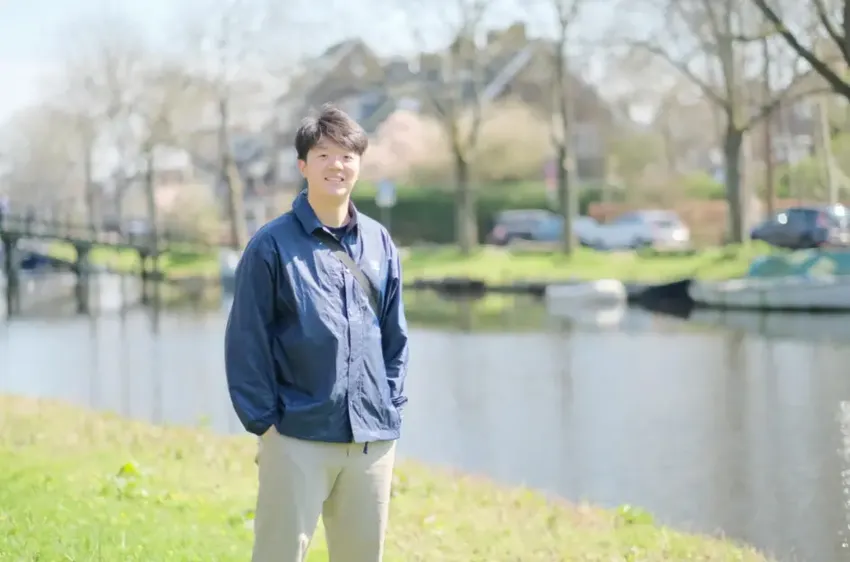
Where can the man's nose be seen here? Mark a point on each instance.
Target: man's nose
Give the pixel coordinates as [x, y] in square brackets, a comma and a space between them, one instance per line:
[336, 163]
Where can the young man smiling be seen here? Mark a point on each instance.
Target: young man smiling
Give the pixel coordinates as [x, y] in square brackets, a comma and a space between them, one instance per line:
[316, 356]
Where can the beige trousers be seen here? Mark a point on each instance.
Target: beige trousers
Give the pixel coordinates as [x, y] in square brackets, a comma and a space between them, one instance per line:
[300, 480]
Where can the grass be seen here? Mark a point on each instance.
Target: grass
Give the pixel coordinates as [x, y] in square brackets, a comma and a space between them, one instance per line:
[496, 265]
[175, 264]
[76, 486]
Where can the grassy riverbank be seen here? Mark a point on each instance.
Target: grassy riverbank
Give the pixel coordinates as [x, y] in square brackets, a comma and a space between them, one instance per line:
[496, 265]
[174, 264]
[82, 486]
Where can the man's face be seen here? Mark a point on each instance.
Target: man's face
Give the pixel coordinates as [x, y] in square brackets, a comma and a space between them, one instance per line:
[330, 169]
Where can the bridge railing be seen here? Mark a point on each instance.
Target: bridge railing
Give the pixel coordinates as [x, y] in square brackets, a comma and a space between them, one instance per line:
[122, 235]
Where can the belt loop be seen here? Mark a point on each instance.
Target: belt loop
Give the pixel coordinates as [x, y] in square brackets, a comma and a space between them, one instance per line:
[366, 448]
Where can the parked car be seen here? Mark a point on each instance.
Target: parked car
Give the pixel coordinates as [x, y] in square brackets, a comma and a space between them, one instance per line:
[552, 230]
[537, 225]
[804, 227]
[656, 228]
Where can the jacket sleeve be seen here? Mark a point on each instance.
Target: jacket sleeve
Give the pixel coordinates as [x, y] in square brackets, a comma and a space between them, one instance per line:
[247, 341]
[394, 332]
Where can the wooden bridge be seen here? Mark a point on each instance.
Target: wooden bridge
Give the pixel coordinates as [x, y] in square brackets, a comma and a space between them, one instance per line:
[15, 228]
[50, 229]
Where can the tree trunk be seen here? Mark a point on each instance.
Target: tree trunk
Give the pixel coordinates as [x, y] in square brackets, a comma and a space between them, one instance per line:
[118, 199]
[767, 123]
[89, 188]
[669, 149]
[566, 198]
[732, 145]
[150, 199]
[232, 182]
[465, 219]
[235, 205]
[769, 172]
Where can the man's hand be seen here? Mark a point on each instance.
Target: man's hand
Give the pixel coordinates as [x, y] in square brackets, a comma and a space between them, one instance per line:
[260, 444]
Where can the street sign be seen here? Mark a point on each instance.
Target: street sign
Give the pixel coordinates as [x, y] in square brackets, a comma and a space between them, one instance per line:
[386, 196]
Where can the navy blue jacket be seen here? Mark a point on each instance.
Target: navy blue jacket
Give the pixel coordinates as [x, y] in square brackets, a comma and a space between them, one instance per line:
[303, 349]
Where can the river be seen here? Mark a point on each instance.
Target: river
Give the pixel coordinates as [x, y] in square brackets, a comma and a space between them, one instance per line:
[738, 430]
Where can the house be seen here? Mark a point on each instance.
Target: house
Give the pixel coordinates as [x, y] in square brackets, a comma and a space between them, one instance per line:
[510, 65]
[348, 74]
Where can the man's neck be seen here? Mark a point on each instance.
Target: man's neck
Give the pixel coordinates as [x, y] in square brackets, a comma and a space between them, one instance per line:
[330, 213]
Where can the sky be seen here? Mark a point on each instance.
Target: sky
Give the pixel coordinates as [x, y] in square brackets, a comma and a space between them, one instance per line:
[33, 34]
[36, 34]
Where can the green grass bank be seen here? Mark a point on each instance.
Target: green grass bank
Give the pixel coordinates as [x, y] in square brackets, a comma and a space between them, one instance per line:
[76, 485]
[498, 265]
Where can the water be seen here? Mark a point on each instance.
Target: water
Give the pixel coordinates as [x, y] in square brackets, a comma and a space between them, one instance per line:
[737, 430]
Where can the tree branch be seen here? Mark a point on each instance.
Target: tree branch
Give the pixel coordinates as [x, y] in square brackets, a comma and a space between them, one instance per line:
[682, 67]
[836, 82]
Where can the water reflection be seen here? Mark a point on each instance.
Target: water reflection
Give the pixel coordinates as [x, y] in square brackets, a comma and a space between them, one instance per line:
[788, 325]
[709, 429]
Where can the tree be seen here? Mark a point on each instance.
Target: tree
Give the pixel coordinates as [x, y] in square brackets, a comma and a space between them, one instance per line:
[717, 46]
[97, 85]
[131, 98]
[511, 147]
[233, 42]
[566, 12]
[43, 149]
[408, 147]
[665, 107]
[452, 83]
[827, 45]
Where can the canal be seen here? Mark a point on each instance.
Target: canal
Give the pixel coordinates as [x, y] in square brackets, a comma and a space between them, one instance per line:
[731, 425]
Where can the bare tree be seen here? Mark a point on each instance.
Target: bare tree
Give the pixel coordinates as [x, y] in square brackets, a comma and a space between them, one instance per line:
[818, 31]
[767, 130]
[42, 147]
[98, 84]
[234, 41]
[717, 46]
[670, 108]
[566, 12]
[453, 84]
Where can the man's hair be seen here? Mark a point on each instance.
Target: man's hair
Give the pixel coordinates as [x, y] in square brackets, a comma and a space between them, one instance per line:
[334, 125]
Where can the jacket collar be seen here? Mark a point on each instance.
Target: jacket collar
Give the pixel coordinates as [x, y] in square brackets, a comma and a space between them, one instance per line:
[307, 216]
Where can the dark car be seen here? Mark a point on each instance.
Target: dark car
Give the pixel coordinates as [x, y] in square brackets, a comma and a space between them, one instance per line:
[804, 227]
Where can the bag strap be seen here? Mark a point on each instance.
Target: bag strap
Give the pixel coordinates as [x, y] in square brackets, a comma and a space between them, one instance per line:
[338, 251]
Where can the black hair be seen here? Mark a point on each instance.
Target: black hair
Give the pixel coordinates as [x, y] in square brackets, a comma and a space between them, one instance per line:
[334, 125]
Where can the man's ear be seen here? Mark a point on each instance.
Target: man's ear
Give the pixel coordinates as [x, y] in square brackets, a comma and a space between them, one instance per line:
[302, 167]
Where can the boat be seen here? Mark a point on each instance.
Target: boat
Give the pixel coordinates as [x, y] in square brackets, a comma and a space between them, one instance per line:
[601, 293]
[609, 316]
[804, 281]
[785, 294]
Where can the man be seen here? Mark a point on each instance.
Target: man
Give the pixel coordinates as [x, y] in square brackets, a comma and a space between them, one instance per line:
[314, 365]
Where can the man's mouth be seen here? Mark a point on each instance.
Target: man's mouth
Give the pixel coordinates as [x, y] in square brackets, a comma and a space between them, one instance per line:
[335, 179]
